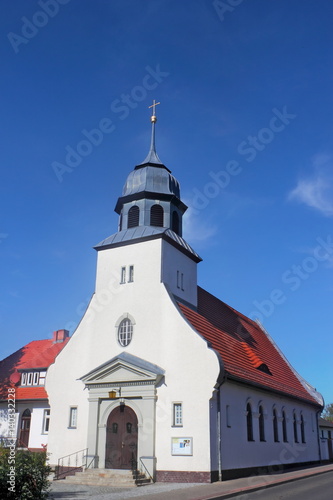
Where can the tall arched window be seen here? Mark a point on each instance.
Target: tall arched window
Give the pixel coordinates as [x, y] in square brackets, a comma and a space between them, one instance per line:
[295, 428]
[261, 424]
[175, 222]
[133, 217]
[275, 426]
[284, 427]
[302, 430]
[249, 422]
[156, 216]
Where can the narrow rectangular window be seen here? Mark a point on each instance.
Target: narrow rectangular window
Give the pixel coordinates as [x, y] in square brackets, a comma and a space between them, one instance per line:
[123, 275]
[73, 417]
[131, 274]
[178, 279]
[29, 381]
[177, 414]
[182, 281]
[46, 421]
[36, 378]
[24, 379]
[227, 415]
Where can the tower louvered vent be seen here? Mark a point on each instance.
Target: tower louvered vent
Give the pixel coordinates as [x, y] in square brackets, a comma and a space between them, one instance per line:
[156, 216]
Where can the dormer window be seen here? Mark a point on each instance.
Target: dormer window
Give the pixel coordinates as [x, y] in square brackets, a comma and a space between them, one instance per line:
[33, 378]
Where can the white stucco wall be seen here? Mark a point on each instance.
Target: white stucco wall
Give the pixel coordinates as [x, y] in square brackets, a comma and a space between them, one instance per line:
[238, 452]
[161, 336]
[36, 435]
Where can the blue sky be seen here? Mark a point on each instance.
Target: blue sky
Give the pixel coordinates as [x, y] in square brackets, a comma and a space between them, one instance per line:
[245, 125]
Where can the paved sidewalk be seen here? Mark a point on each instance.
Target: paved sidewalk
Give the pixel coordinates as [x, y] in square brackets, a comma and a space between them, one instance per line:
[174, 491]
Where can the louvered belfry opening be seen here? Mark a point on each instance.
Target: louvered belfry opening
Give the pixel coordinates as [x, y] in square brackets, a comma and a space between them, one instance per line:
[156, 216]
[175, 222]
[133, 217]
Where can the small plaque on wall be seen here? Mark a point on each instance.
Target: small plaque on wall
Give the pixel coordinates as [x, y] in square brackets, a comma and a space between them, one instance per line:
[182, 446]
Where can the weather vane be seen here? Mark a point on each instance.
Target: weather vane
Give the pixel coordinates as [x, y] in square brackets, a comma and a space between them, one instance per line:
[153, 116]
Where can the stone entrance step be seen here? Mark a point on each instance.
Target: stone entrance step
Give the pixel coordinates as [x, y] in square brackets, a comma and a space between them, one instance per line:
[107, 477]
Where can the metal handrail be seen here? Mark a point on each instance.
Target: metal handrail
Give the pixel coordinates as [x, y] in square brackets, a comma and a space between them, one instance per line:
[147, 471]
[65, 463]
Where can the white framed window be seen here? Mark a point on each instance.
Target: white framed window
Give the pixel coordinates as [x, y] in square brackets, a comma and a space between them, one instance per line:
[125, 332]
[46, 421]
[131, 274]
[35, 378]
[177, 417]
[42, 378]
[123, 275]
[29, 378]
[73, 417]
[24, 378]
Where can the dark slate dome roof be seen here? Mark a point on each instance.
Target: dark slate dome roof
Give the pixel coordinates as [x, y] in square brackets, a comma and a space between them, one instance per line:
[153, 179]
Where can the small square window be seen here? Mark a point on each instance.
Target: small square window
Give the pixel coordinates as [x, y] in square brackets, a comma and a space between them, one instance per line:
[131, 274]
[177, 414]
[73, 417]
[123, 275]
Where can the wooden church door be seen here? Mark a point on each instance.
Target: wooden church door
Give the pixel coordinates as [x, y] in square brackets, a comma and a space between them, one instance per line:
[121, 439]
[25, 428]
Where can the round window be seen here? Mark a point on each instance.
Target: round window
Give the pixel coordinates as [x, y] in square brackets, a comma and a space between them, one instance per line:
[125, 332]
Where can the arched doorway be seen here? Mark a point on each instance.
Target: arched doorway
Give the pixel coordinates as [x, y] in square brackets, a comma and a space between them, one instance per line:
[121, 439]
[25, 428]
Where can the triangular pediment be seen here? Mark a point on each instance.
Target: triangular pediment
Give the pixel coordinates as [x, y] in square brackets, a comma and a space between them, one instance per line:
[124, 368]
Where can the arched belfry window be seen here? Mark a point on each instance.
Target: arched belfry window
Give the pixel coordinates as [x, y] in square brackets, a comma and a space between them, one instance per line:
[249, 422]
[133, 217]
[175, 222]
[156, 216]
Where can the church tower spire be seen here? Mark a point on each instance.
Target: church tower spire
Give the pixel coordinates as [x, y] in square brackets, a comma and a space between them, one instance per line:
[151, 195]
[152, 157]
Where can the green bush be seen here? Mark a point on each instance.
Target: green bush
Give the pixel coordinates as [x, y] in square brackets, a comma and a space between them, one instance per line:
[23, 475]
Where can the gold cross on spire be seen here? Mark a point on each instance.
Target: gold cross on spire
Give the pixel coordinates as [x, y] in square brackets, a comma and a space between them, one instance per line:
[153, 116]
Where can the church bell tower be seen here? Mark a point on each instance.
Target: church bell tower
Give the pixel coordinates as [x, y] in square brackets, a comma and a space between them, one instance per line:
[150, 208]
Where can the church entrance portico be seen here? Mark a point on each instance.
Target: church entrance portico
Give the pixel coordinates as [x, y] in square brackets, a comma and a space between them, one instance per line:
[121, 439]
[122, 407]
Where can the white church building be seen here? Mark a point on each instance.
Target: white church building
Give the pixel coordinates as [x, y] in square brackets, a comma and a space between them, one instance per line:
[162, 375]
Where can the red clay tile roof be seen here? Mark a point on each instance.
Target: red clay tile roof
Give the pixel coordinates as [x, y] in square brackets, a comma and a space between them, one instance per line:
[36, 354]
[244, 347]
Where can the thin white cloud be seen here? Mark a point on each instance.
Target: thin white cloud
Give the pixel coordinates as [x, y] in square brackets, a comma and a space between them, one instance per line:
[197, 228]
[316, 191]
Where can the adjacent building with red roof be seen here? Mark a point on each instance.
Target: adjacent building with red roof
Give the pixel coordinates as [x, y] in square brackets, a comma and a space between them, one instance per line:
[24, 407]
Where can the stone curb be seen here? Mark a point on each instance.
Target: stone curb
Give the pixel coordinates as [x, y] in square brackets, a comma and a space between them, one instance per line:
[262, 486]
